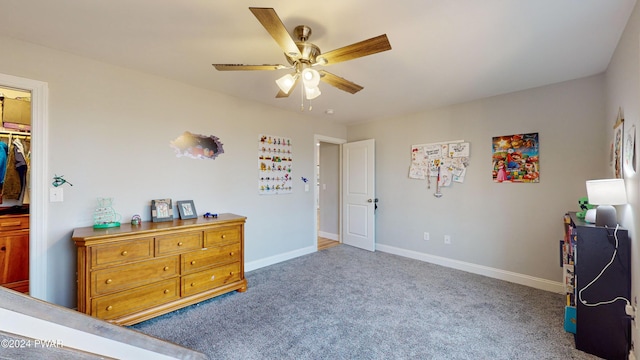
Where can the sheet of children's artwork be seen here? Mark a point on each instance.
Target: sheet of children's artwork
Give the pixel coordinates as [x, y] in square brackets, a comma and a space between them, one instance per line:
[447, 161]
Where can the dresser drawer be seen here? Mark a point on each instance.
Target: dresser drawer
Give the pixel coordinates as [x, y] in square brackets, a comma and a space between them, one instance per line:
[11, 222]
[177, 243]
[121, 252]
[126, 302]
[222, 235]
[133, 275]
[200, 260]
[209, 279]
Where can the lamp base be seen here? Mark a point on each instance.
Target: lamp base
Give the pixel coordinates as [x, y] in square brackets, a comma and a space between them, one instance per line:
[606, 216]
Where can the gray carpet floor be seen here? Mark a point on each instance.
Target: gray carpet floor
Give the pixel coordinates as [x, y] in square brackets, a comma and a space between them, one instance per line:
[347, 303]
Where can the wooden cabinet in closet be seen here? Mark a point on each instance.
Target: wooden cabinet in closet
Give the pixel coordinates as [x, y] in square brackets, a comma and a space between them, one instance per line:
[14, 252]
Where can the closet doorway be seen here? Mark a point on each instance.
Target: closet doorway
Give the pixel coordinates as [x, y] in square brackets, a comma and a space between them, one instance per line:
[328, 157]
[15, 158]
[38, 211]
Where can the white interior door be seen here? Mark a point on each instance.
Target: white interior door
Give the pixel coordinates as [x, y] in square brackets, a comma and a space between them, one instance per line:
[358, 182]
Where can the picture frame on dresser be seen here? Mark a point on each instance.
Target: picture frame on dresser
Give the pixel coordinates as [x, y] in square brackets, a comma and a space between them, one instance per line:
[161, 210]
[187, 209]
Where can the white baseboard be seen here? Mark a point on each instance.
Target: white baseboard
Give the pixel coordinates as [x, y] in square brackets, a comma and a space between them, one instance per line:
[329, 236]
[538, 283]
[257, 264]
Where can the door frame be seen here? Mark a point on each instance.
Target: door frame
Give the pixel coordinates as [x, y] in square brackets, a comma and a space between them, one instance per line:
[331, 140]
[38, 216]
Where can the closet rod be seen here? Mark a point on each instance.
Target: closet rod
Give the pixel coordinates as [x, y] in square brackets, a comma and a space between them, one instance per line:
[9, 132]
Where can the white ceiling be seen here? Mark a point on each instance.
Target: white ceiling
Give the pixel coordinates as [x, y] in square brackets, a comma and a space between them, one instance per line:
[443, 51]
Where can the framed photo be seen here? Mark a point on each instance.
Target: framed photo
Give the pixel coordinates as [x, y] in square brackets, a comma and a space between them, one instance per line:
[161, 210]
[187, 209]
[617, 148]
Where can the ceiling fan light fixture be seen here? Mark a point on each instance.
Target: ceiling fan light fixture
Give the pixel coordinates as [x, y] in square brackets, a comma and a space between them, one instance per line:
[310, 77]
[286, 82]
[312, 92]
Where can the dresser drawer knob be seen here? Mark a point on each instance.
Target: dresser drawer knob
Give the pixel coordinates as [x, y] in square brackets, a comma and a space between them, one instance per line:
[124, 253]
[193, 284]
[231, 253]
[231, 273]
[109, 281]
[180, 243]
[166, 291]
[109, 308]
[166, 268]
[224, 236]
[193, 262]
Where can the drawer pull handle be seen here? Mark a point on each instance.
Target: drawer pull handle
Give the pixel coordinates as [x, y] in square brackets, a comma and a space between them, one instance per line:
[193, 284]
[180, 243]
[14, 223]
[193, 262]
[166, 268]
[109, 281]
[231, 273]
[109, 308]
[231, 253]
[124, 253]
[166, 291]
[223, 236]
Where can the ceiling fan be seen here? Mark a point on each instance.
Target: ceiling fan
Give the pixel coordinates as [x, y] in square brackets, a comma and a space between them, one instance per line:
[304, 56]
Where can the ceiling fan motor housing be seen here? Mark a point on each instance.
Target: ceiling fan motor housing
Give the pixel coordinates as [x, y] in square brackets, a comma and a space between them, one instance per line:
[308, 51]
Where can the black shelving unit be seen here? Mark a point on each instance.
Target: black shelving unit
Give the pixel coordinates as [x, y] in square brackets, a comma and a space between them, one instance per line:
[603, 330]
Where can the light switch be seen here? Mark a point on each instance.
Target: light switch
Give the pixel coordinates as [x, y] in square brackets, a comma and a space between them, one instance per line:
[55, 194]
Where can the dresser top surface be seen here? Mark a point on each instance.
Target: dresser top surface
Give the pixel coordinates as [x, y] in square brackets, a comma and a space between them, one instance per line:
[148, 227]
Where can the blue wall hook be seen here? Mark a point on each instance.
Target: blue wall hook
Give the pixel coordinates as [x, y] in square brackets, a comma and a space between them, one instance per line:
[59, 181]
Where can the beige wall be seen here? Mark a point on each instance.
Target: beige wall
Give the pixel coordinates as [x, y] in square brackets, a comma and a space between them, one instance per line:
[513, 228]
[109, 133]
[623, 91]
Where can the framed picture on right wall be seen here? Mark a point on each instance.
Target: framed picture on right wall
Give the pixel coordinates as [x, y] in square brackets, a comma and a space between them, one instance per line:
[616, 147]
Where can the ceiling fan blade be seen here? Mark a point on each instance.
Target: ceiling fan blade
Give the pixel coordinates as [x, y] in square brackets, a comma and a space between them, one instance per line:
[234, 67]
[274, 26]
[281, 94]
[341, 83]
[359, 49]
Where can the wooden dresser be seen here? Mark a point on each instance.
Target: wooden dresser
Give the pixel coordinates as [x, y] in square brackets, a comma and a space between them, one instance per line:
[14, 252]
[133, 273]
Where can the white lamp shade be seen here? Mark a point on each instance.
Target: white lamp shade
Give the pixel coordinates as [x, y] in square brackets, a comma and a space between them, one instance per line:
[286, 82]
[312, 93]
[310, 77]
[606, 192]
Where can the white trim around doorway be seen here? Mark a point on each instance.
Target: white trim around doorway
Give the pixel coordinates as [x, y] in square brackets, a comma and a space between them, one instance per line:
[331, 140]
[39, 170]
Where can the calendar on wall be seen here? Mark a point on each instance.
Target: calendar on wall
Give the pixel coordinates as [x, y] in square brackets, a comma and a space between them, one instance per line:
[275, 162]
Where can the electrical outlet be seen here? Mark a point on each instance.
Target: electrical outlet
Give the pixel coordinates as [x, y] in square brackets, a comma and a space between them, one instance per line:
[425, 236]
[447, 239]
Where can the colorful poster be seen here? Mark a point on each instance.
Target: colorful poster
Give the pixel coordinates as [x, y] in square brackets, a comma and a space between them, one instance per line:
[274, 165]
[516, 158]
